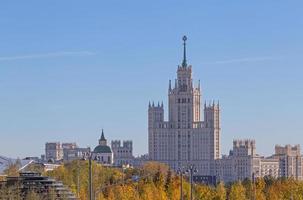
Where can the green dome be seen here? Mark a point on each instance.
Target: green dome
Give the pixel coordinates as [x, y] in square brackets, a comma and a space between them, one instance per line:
[102, 149]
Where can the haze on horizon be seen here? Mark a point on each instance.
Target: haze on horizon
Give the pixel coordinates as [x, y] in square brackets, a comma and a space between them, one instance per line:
[69, 69]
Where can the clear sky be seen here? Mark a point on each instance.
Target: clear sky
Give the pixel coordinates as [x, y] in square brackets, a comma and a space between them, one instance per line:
[70, 68]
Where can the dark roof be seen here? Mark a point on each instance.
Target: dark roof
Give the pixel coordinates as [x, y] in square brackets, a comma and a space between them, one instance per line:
[102, 136]
[102, 149]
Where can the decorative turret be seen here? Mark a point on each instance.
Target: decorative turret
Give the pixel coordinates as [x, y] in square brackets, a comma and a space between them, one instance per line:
[155, 114]
[102, 140]
[212, 115]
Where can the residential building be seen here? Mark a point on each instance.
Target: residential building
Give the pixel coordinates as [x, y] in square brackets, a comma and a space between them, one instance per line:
[139, 161]
[184, 139]
[270, 167]
[75, 153]
[290, 161]
[123, 154]
[53, 151]
[241, 163]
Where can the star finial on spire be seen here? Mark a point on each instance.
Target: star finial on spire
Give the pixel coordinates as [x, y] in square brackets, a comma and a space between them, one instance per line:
[184, 64]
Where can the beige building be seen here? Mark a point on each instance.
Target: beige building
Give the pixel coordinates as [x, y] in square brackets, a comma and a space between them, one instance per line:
[244, 163]
[269, 167]
[241, 163]
[123, 154]
[53, 151]
[184, 138]
[290, 161]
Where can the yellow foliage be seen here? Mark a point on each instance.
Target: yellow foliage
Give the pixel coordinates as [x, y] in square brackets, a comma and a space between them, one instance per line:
[156, 183]
[237, 192]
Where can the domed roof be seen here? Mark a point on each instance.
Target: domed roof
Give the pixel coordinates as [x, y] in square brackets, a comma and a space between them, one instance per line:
[102, 149]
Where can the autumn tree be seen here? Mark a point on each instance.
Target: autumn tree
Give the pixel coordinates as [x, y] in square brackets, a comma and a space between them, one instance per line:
[220, 192]
[237, 192]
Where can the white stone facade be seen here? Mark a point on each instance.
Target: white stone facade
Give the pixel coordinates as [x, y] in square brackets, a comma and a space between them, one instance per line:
[123, 154]
[290, 161]
[270, 167]
[185, 139]
[242, 162]
[53, 151]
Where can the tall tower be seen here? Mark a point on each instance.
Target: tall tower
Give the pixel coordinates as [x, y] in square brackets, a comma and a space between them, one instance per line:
[184, 139]
[155, 118]
[212, 123]
[184, 99]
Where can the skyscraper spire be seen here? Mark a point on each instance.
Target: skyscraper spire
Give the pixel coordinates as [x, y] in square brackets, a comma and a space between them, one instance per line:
[184, 64]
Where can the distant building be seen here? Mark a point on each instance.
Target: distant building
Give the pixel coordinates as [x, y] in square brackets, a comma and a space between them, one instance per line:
[139, 161]
[242, 162]
[185, 139]
[75, 154]
[72, 145]
[103, 153]
[290, 161]
[53, 151]
[123, 155]
[270, 167]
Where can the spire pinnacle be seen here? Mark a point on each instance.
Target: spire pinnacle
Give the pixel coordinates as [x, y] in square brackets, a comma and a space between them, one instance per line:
[184, 64]
[102, 135]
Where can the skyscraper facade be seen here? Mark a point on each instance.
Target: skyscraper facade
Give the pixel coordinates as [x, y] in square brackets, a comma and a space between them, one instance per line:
[185, 139]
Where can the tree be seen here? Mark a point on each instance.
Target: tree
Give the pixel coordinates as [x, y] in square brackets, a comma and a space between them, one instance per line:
[168, 184]
[237, 192]
[220, 193]
[13, 169]
[205, 192]
[32, 195]
[259, 189]
[158, 179]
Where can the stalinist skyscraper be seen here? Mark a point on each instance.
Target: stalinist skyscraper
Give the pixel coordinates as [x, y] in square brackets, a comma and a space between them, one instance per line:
[185, 139]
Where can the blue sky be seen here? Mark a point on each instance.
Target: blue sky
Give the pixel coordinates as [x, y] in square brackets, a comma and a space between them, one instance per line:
[70, 68]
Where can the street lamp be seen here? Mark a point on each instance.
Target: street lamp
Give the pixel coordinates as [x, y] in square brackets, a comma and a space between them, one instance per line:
[181, 173]
[191, 170]
[89, 155]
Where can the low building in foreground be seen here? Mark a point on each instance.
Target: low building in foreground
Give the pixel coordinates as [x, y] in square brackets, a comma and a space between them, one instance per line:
[46, 187]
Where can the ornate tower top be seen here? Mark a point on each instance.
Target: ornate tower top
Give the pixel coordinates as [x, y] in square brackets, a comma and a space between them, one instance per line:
[102, 140]
[184, 64]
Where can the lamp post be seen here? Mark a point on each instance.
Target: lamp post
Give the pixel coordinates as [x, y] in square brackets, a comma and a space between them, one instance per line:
[90, 189]
[90, 177]
[191, 170]
[181, 172]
